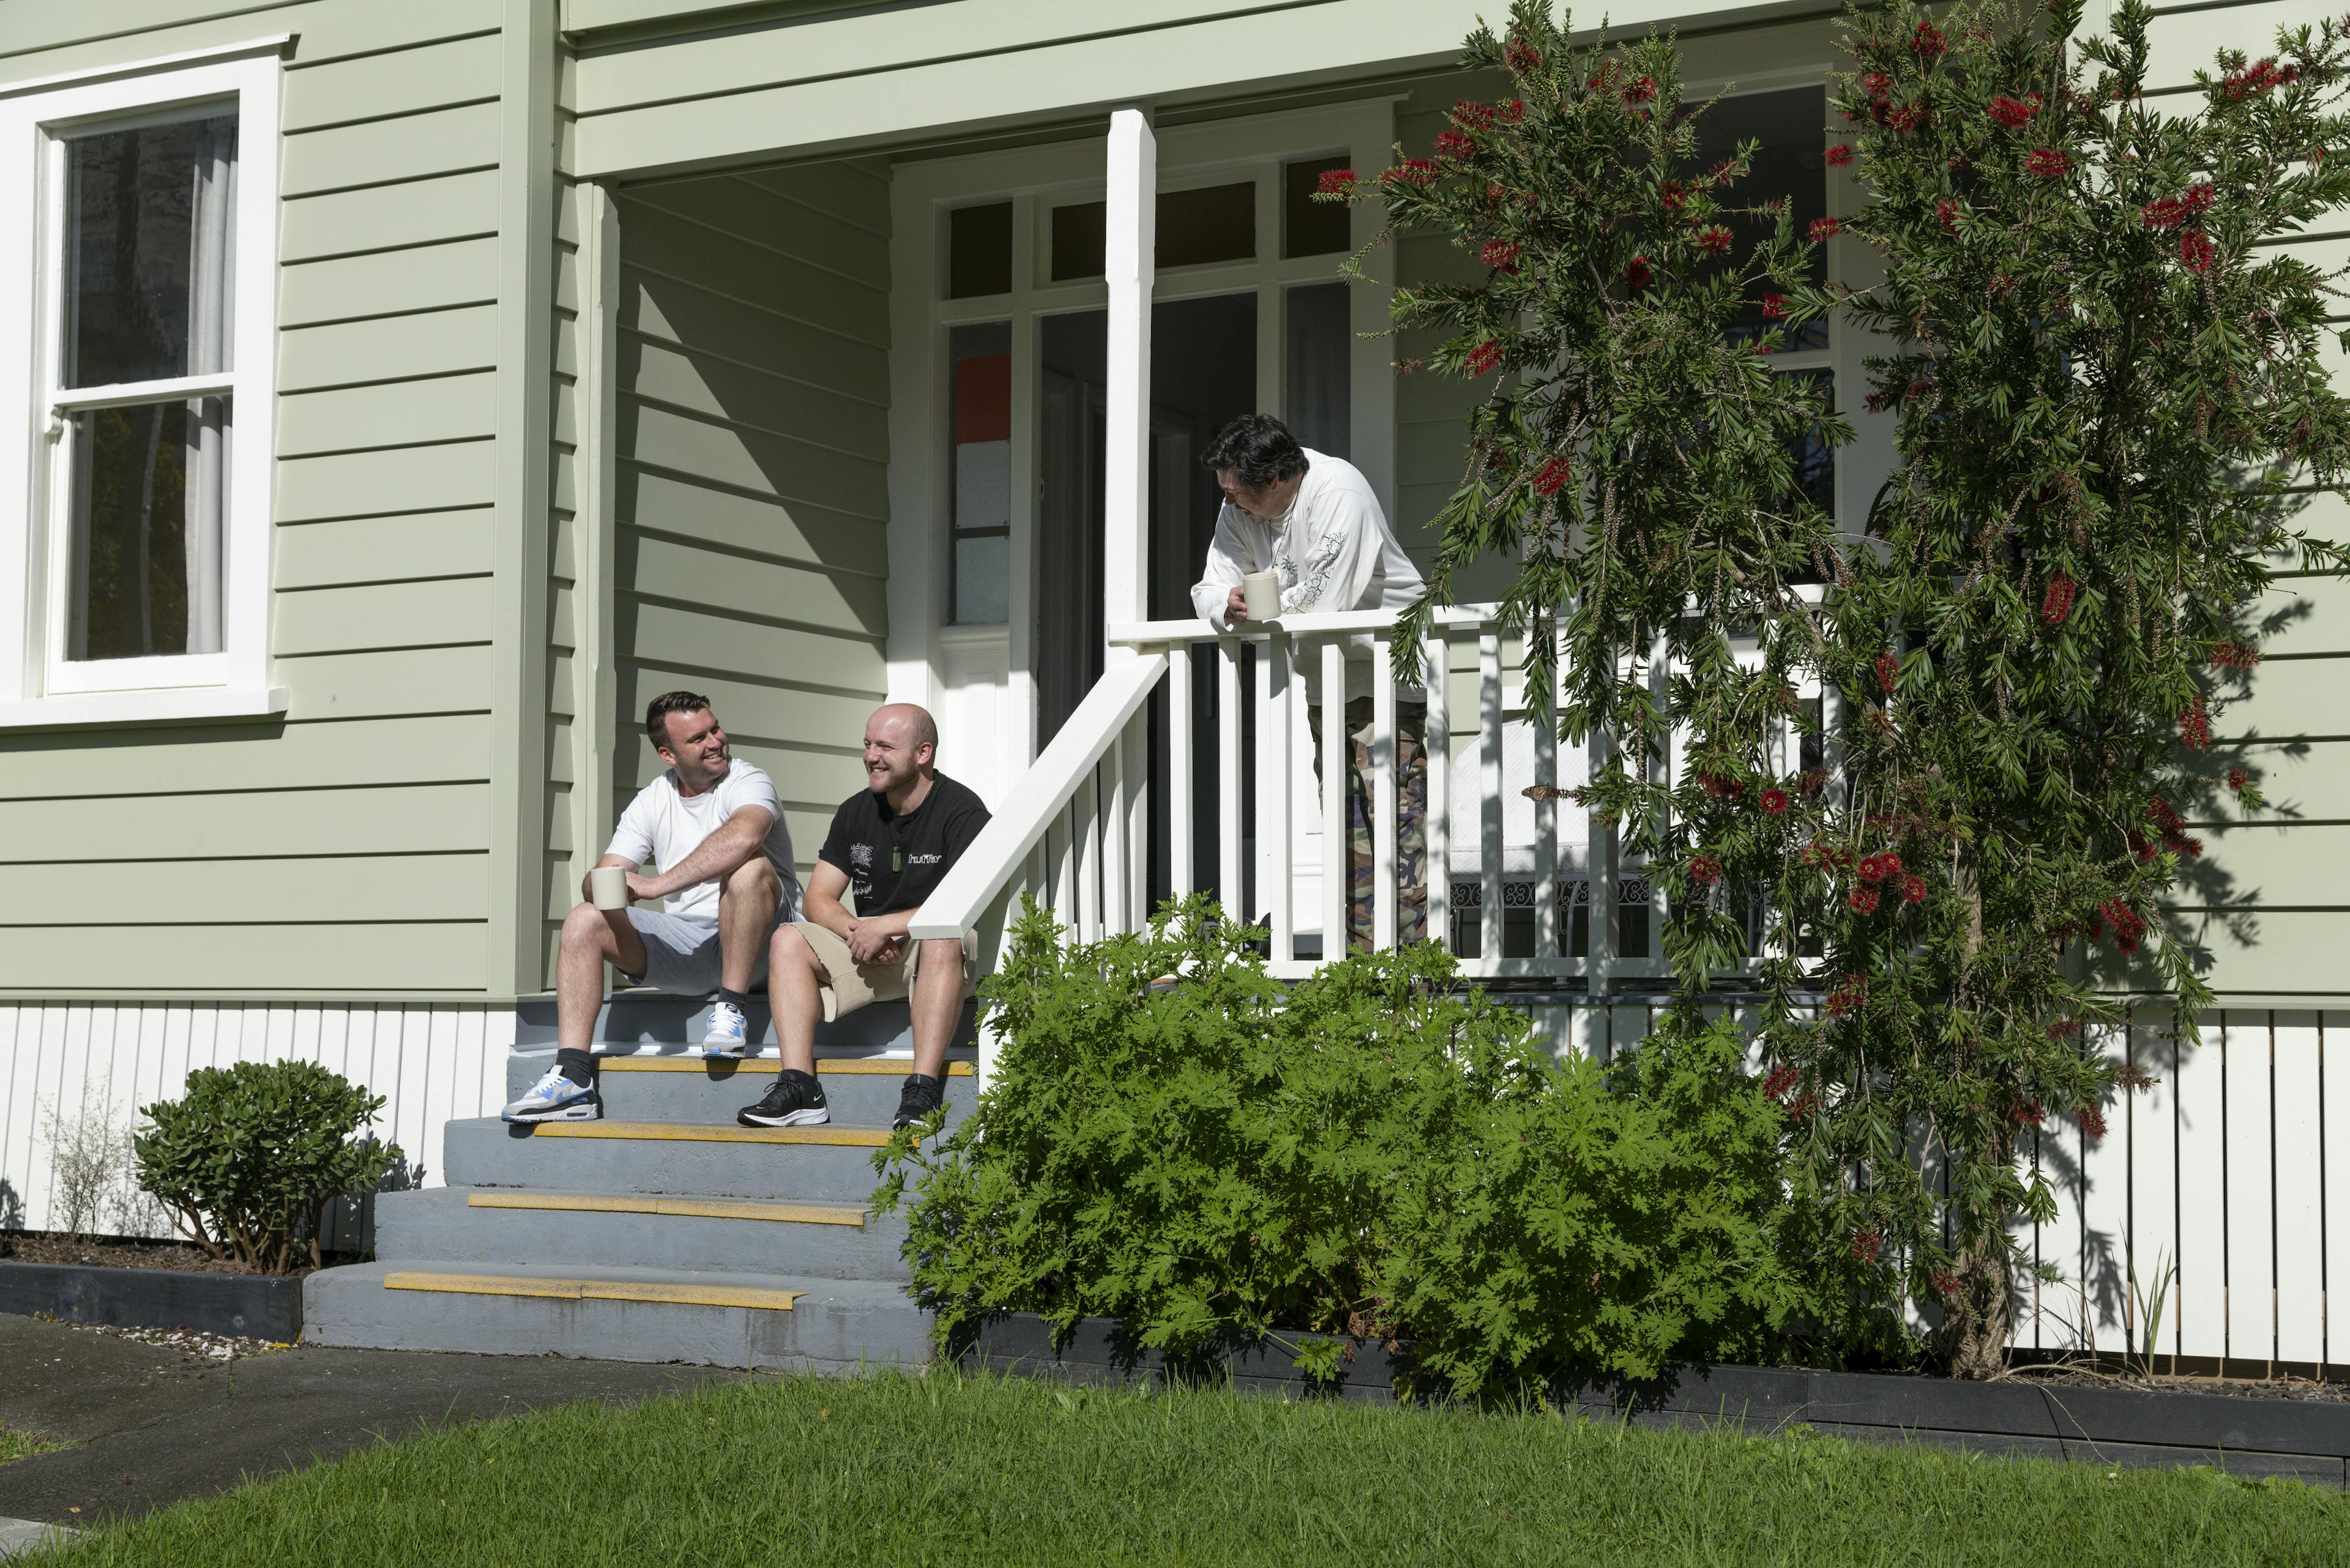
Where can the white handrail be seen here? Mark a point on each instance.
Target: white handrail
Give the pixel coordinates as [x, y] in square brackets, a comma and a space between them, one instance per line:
[1001, 849]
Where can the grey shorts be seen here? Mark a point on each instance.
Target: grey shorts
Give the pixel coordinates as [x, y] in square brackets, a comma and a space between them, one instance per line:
[682, 953]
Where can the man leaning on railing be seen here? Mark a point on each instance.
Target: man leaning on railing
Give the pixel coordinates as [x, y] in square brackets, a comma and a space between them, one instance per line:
[1311, 518]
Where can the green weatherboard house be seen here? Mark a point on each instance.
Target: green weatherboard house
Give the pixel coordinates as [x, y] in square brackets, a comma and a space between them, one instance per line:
[394, 398]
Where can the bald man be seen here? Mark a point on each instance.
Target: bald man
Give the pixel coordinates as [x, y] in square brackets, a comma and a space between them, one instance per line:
[890, 845]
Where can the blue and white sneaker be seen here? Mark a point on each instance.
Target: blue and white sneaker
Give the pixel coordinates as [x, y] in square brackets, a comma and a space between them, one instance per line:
[729, 1031]
[553, 1098]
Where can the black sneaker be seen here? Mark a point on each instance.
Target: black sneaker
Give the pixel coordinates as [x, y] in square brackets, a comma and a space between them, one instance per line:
[921, 1097]
[795, 1100]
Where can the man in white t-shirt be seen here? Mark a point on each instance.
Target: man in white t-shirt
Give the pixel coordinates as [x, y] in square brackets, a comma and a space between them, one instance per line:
[1312, 518]
[714, 828]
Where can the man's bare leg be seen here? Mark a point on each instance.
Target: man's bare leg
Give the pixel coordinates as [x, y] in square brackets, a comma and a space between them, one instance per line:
[936, 1005]
[592, 938]
[793, 979]
[747, 913]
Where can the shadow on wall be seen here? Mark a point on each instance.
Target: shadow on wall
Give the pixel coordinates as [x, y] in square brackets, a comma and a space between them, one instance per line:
[12, 1206]
[348, 1224]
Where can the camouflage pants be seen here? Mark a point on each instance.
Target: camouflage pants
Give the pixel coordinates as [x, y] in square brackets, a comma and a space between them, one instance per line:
[1411, 818]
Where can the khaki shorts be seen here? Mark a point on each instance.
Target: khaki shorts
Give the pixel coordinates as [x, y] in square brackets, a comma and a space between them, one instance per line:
[849, 985]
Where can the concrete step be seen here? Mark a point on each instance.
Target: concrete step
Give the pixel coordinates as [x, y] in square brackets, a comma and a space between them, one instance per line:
[618, 1315]
[679, 1085]
[833, 1163]
[481, 1226]
[632, 1019]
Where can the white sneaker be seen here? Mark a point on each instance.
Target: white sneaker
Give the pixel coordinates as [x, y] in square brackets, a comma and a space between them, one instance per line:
[729, 1031]
[553, 1098]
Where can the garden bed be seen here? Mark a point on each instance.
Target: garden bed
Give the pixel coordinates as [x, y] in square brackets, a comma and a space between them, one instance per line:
[2306, 1440]
[132, 1285]
[113, 1252]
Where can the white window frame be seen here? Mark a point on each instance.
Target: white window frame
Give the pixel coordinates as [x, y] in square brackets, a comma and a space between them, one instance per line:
[37, 686]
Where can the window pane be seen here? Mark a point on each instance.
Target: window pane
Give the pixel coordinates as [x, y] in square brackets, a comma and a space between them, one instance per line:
[1814, 458]
[1792, 128]
[979, 251]
[980, 415]
[1216, 224]
[983, 580]
[149, 489]
[150, 246]
[1320, 404]
[1312, 228]
[1078, 231]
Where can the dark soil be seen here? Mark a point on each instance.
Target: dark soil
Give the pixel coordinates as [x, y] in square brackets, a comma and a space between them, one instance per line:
[2301, 1388]
[119, 1252]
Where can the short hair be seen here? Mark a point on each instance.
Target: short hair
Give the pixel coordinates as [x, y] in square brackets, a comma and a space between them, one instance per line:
[1257, 450]
[658, 711]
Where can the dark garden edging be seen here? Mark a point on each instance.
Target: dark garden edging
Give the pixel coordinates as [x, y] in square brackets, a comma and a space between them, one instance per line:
[2249, 1437]
[249, 1306]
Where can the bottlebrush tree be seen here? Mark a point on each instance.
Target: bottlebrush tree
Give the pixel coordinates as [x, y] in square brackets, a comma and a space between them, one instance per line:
[2109, 392]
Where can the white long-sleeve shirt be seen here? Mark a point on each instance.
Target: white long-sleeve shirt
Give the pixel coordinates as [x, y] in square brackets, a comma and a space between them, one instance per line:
[1334, 551]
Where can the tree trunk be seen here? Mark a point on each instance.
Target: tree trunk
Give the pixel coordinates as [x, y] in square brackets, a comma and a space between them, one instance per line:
[1981, 1319]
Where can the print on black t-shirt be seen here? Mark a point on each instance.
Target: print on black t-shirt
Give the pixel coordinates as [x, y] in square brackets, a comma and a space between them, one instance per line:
[895, 862]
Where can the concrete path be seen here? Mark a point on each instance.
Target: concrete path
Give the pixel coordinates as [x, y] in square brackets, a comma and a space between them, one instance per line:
[152, 1424]
[23, 1534]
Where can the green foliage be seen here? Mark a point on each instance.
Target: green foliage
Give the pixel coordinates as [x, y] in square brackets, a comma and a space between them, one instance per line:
[248, 1159]
[1364, 1151]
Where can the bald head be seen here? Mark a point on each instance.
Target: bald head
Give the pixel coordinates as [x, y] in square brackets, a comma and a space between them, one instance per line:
[900, 741]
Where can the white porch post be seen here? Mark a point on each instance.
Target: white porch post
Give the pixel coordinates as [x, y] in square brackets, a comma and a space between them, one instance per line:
[1130, 238]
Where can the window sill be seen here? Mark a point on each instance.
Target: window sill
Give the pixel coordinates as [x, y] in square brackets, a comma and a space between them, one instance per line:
[163, 706]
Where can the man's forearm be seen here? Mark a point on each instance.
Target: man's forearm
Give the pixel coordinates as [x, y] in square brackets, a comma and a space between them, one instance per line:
[715, 856]
[819, 909]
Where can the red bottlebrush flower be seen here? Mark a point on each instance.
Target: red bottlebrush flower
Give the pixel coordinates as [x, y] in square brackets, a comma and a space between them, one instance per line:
[1773, 802]
[1878, 402]
[1452, 144]
[2164, 815]
[2185, 846]
[1636, 272]
[1511, 110]
[2007, 111]
[1815, 783]
[1944, 1284]
[1774, 307]
[2237, 779]
[1870, 870]
[2026, 1113]
[1704, 870]
[1337, 182]
[1471, 115]
[2127, 923]
[1553, 476]
[1891, 862]
[1946, 212]
[1920, 389]
[1913, 889]
[2091, 1119]
[1866, 1241]
[1671, 194]
[1838, 156]
[1878, 85]
[1825, 229]
[2256, 79]
[2168, 213]
[1862, 899]
[2195, 727]
[1502, 254]
[2197, 197]
[1801, 1107]
[1412, 172]
[1888, 671]
[1484, 358]
[2234, 655]
[1639, 90]
[1782, 1079]
[2048, 162]
[2141, 847]
[2063, 1029]
[1522, 56]
[2196, 251]
[2057, 602]
[1926, 42]
[1848, 996]
[1909, 116]
[1712, 239]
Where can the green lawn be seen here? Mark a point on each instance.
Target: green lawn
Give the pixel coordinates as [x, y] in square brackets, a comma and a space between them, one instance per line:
[899, 1470]
[16, 1445]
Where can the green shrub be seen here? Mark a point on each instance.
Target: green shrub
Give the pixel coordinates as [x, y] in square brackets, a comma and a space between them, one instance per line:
[248, 1159]
[1364, 1151]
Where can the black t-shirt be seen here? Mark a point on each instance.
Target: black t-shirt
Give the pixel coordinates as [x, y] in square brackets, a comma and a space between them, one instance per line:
[894, 862]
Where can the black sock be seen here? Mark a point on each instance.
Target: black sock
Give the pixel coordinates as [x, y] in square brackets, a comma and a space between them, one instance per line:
[736, 997]
[796, 1076]
[576, 1066]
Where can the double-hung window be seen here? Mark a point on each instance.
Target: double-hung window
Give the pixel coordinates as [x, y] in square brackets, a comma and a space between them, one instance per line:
[136, 390]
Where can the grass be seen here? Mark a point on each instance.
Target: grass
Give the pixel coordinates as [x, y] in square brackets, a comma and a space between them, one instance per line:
[16, 1445]
[976, 1471]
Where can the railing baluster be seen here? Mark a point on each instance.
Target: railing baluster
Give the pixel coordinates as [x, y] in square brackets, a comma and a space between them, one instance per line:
[1138, 818]
[1384, 784]
[1541, 720]
[1675, 759]
[1065, 872]
[1117, 895]
[1229, 880]
[1337, 859]
[1179, 769]
[1089, 869]
[1489, 788]
[1275, 733]
[1438, 909]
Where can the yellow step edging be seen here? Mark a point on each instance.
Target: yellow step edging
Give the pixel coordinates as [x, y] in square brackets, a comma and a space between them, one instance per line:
[697, 1208]
[594, 1290]
[713, 1132]
[765, 1066]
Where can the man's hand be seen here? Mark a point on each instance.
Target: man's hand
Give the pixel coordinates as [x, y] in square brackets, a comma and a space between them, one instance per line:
[643, 890]
[867, 943]
[1236, 606]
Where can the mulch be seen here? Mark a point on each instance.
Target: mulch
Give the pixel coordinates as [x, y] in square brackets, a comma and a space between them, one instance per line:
[118, 1252]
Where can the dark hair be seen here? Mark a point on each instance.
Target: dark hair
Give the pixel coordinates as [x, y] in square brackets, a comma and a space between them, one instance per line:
[658, 711]
[1257, 450]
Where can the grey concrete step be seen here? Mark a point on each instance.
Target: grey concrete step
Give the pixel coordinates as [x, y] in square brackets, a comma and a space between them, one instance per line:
[821, 1164]
[833, 1241]
[650, 1017]
[681, 1085]
[537, 1309]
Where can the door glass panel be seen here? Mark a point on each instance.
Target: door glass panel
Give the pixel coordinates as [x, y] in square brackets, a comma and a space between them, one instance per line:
[151, 245]
[149, 485]
[1791, 163]
[1308, 227]
[980, 395]
[1317, 379]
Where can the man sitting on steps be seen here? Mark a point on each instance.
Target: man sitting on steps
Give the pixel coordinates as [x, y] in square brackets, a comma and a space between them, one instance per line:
[714, 827]
[889, 847]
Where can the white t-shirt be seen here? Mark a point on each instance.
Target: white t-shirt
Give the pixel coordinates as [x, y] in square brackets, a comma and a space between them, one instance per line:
[664, 828]
[1333, 549]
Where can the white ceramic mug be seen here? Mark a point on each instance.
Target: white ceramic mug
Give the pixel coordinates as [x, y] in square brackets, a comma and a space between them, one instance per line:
[1262, 592]
[608, 885]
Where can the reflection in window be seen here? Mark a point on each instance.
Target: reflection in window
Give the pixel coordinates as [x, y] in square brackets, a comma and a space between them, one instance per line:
[1814, 458]
[980, 415]
[1790, 164]
[979, 251]
[1318, 388]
